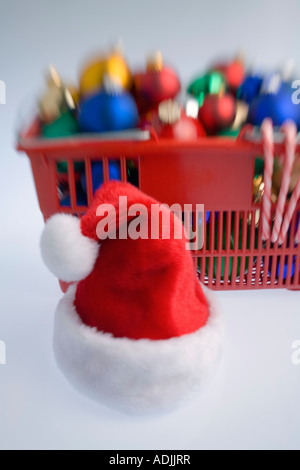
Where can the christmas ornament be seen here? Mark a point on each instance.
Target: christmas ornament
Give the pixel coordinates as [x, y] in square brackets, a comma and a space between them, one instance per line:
[279, 107]
[81, 199]
[192, 107]
[98, 176]
[64, 126]
[241, 113]
[209, 84]
[158, 83]
[234, 73]
[132, 173]
[172, 123]
[58, 99]
[232, 133]
[258, 189]
[250, 88]
[107, 111]
[217, 112]
[137, 331]
[62, 168]
[113, 65]
[285, 267]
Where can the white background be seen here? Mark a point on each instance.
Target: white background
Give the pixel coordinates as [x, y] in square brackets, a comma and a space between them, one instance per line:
[253, 401]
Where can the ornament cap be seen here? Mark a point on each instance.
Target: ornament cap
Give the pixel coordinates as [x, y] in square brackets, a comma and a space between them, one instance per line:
[112, 85]
[169, 112]
[155, 62]
[53, 78]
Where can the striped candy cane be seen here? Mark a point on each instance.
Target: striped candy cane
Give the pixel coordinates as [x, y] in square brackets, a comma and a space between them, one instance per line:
[290, 132]
[268, 148]
[289, 213]
[297, 239]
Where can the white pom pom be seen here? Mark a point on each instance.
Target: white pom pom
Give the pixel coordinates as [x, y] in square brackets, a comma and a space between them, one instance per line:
[65, 250]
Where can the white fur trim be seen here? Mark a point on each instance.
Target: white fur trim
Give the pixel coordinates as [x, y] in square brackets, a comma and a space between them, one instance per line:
[136, 376]
[65, 250]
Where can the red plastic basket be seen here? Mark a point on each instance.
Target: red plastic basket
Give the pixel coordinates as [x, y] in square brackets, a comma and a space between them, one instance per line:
[216, 172]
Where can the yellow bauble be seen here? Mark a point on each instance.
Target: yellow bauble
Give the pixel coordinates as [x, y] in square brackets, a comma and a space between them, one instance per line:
[117, 69]
[92, 75]
[113, 65]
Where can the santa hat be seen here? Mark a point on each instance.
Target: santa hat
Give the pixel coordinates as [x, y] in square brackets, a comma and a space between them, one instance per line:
[137, 330]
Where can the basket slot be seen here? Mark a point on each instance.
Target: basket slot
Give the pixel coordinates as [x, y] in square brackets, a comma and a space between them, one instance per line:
[202, 260]
[197, 228]
[105, 169]
[259, 249]
[290, 244]
[219, 260]
[296, 281]
[72, 185]
[53, 171]
[272, 265]
[227, 234]
[242, 264]
[89, 181]
[210, 271]
[236, 232]
[212, 232]
[283, 260]
[251, 243]
[280, 266]
[123, 169]
[266, 261]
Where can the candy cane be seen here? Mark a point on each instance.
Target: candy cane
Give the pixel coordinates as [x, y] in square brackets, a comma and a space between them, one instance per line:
[268, 147]
[290, 131]
[290, 212]
[297, 239]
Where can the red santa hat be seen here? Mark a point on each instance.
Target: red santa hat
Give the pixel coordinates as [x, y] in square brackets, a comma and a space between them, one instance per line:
[137, 330]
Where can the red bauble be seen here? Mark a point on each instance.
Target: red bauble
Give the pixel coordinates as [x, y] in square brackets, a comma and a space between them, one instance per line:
[152, 87]
[233, 72]
[217, 112]
[171, 122]
[187, 128]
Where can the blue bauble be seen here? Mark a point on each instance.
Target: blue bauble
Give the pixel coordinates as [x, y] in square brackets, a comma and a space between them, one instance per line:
[97, 174]
[81, 199]
[250, 88]
[285, 267]
[106, 112]
[284, 108]
[260, 108]
[279, 107]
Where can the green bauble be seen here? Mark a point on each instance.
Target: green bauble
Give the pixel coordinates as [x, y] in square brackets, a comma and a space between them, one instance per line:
[229, 133]
[209, 84]
[65, 126]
